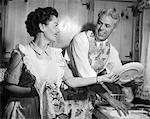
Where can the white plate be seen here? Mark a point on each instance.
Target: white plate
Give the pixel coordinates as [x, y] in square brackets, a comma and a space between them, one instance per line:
[128, 71]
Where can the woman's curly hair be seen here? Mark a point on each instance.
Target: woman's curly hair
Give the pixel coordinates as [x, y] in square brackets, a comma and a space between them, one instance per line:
[40, 15]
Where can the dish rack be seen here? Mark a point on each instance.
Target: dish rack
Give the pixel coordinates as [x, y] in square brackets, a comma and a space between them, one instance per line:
[101, 101]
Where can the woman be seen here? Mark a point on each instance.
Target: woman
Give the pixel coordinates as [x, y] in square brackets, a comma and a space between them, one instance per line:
[37, 70]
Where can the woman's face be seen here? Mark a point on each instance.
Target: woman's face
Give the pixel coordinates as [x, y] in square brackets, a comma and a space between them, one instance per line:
[51, 29]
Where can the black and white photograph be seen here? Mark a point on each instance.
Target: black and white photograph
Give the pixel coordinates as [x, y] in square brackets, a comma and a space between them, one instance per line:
[74, 59]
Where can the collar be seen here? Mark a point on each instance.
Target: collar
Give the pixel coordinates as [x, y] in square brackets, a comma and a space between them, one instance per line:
[102, 43]
[38, 50]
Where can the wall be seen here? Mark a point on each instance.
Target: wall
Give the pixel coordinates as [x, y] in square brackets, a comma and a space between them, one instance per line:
[145, 55]
[145, 34]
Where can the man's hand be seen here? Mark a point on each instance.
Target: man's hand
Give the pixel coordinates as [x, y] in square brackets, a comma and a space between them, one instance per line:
[118, 105]
[135, 81]
[138, 80]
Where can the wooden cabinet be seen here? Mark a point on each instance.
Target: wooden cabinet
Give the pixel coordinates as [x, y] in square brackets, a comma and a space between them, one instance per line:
[2, 31]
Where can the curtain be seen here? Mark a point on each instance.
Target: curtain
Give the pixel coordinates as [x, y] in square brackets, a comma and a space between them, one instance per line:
[144, 90]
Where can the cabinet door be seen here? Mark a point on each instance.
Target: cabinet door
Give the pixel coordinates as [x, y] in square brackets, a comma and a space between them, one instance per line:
[72, 16]
[121, 38]
[0, 31]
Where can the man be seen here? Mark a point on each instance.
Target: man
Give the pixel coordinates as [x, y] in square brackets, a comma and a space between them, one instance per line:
[91, 54]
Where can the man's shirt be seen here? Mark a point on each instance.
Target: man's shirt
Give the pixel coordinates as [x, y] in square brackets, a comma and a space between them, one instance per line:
[85, 61]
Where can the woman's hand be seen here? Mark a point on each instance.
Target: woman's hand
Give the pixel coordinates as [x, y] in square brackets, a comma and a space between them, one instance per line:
[108, 78]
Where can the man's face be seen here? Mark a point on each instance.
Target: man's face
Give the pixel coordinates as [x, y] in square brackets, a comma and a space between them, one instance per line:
[104, 27]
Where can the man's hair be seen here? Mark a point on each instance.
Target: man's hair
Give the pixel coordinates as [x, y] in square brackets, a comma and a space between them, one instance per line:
[113, 13]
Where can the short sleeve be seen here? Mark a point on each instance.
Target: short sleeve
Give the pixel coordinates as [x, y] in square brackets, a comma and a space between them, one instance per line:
[14, 69]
